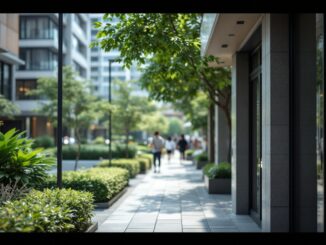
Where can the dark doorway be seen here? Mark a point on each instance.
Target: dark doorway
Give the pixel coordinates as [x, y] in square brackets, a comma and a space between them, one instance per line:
[255, 135]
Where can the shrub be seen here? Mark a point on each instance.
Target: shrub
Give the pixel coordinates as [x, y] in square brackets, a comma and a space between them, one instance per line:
[143, 149]
[222, 170]
[189, 152]
[56, 210]
[18, 161]
[207, 167]
[44, 141]
[104, 184]
[94, 152]
[99, 140]
[132, 165]
[202, 157]
[147, 156]
[144, 164]
[12, 192]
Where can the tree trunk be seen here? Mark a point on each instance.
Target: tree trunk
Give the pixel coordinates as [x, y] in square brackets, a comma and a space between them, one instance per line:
[228, 119]
[78, 148]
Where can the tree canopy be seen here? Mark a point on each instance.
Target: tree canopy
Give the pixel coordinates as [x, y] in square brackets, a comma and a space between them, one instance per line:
[167, 46]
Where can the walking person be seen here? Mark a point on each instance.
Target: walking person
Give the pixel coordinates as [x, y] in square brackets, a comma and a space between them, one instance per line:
[182, 146]
[157, 145]
[169, 146]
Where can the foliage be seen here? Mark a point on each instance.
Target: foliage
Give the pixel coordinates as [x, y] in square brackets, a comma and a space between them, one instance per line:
[154, 122]
[132, 165]
[18, 161]
[44, 141]
[79, 106]
[129, 110]
[144, 164]
[7, 108]
[99, 140]
[94, 152]
[104, 184]
[220, 171]
[170, 45]
[189, 152]
[48, 211]
[11, 191]
[207, 167]
[148, 156]
[195, 110]
[202, 157]
[175, 127]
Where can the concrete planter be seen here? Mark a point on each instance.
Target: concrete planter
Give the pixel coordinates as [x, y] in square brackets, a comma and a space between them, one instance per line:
[110, 203]
[200, 164]
[92, 228]
[218, 186]
[189, 158]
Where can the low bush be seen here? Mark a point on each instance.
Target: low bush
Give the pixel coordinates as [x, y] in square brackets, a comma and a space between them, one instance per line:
[144, 164]
[189, 152]
[202, 157]
[99, 140]
[220, 171]
[207, 167]
[147, 156]
[104, 184]
[44, 141]
[56, 210]
[95, 152]
[143, 149]
[132, 165]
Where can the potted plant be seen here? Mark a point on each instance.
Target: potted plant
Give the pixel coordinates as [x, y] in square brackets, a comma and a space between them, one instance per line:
[189, 154]
[201, 160]
[218, 178]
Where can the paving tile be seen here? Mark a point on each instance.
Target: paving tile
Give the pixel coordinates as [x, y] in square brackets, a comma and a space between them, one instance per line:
[140, 230]
[196, 230]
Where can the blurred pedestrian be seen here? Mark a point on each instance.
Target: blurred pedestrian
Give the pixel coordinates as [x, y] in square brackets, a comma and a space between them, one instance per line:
[157, 145]
[182, 146]
[169, 146]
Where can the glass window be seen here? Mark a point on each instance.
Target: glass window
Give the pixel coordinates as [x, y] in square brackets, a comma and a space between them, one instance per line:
[79, 69]
[38, 59]
[320, 122]
[94, 59]
[23, 87]
[37, 27]
[94, 69]
[5, 80]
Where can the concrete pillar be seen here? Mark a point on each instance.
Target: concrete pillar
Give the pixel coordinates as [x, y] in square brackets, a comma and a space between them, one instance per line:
[240, 133]
[275, 123]
[305, 124]
[221, 136]
[210, 134]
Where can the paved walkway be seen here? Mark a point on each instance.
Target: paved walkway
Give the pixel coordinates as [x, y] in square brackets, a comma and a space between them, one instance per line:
[175, 200]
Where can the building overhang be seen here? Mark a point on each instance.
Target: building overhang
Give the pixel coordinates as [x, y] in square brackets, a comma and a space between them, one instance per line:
[10, 58]
[224, 34]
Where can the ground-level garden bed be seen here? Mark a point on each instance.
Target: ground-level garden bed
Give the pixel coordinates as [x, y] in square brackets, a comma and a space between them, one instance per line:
[103, 183]
[49, 210]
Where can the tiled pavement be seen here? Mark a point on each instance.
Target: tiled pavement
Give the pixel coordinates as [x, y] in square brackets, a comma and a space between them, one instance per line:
[175, 200]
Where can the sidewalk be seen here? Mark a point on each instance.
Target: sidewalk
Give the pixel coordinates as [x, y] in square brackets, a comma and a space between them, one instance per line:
[175, 200]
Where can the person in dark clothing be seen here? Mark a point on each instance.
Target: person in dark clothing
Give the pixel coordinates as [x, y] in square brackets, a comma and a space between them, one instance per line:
[182, 146]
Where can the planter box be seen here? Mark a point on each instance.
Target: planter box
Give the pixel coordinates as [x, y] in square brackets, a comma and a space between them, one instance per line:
[92, 228]
[200, 164]
[113, 200]
[189, 158]
[218, 186]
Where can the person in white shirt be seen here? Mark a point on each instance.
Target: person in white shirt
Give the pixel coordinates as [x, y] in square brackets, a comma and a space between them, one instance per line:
[170, 147]
[157, 145]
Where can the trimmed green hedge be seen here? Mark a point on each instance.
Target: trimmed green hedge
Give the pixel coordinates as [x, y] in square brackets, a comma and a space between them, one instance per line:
[144, 163]
[132, 165]
[56, 210]
[147, 156]
[104, 184]
[218, 171]
[95, 152]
